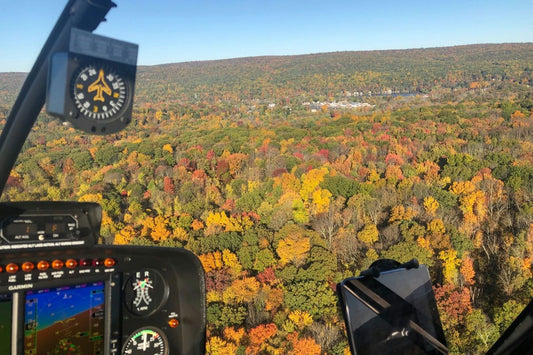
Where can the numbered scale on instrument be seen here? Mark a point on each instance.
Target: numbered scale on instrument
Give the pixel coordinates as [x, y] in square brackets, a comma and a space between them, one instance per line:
[145, 292]
[149, 340]
[92, 85]
[99, 92]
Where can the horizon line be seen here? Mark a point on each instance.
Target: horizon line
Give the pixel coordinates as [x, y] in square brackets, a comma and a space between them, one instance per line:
[316, 53]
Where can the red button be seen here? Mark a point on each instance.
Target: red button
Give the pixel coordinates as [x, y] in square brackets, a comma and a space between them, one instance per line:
[98, 262]
[85, 262]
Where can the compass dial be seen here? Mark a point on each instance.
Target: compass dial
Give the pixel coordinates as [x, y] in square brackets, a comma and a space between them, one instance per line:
[145, 292]
[99, 92]
[148, 340]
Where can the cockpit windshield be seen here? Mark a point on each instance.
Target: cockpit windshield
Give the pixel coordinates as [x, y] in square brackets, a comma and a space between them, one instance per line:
[308, 156]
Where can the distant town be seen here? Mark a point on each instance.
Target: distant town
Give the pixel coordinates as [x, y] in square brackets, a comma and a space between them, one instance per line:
[316, 106]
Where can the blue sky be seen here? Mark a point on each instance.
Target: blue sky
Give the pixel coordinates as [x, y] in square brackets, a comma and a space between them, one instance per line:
[170, 31]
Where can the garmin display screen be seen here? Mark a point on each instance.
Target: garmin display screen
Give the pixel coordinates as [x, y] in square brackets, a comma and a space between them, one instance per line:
[66, 320]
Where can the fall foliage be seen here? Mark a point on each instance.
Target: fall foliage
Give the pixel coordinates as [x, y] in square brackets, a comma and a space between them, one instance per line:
[281, 201]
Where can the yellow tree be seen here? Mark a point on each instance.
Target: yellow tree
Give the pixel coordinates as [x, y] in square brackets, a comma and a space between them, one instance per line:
[400, 213]
[310, 181]
[450, 262]
[436, 233]
[160, 232]
[241, 291]
[472, 204]
[321, 200]
[235, 335]
[125, 235]
[301, 319]
[369, 234]
[293, 248]
[289, 182]
[236, 162]
[168, 148]
[215, 223]
[217, 346]
[231, 261]
[431, 205]
[211, 261]
[156, 228]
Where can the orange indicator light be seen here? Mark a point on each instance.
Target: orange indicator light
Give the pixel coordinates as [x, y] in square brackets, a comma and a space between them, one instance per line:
[71, 263]
[27, 266]
[57, 264]
[109, 262]
[12, 268]
[173, 323]
[43, 265]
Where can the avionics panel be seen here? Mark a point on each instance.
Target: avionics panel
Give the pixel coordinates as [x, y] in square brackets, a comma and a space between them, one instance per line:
[102, 300]
[32, 225]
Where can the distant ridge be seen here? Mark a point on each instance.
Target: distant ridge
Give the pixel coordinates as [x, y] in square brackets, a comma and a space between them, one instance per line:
[404, 70]
[270, 77]
[474, 50]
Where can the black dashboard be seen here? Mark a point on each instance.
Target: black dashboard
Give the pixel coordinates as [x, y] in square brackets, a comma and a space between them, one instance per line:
[61, 292]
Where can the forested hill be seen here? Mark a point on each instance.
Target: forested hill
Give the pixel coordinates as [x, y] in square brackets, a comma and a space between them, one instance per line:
[308, 77]
[414, 70]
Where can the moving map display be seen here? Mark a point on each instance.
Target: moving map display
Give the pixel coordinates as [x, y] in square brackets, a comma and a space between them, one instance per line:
[65, 320]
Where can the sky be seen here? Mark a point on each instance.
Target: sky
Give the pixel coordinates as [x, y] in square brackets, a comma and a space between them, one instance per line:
[170, 31]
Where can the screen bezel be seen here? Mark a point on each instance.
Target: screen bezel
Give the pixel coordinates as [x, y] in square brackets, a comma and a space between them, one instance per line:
[112, 309]
[8, 298]
[79, 291]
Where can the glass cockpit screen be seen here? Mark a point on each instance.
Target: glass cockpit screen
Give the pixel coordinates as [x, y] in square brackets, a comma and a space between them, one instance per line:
[65, 320]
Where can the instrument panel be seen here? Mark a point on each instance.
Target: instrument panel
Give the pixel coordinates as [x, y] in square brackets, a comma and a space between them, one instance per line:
[97, 299]
[38, 225]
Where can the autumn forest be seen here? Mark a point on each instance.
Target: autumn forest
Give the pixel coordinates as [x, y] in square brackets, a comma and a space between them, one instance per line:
[275, 174]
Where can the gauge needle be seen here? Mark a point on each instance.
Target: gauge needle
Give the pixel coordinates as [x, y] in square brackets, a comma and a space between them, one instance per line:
[145, 341]
[147, 284]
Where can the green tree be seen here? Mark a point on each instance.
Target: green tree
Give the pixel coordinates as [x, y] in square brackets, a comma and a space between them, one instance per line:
[317, 298]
